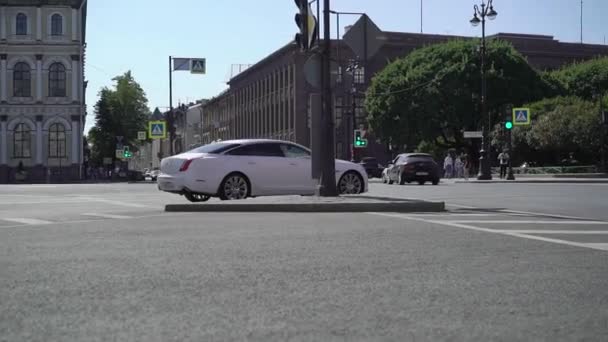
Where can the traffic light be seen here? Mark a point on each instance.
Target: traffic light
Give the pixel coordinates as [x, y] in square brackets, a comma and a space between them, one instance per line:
[359, 142]
[508, 124]
[307, 24]
[126, 153]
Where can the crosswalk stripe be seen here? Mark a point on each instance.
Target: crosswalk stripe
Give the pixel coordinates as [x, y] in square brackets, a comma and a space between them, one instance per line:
[565, 232]
[111, 216]
[29, 221]
[602, 246]
[530, 222]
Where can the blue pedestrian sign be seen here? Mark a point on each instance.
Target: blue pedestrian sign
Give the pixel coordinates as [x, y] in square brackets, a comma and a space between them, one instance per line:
[521, 116]
[157, 130]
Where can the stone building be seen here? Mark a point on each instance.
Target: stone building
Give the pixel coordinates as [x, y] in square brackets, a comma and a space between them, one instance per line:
[270, 99]
[42, 90]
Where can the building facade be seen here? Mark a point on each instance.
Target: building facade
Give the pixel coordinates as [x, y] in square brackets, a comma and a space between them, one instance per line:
[42, 90]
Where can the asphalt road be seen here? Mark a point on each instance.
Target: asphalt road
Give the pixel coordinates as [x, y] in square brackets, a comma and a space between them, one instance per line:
[103, 262]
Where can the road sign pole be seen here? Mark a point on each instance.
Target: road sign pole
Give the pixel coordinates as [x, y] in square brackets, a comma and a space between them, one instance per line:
[510, 175]
[170, 121]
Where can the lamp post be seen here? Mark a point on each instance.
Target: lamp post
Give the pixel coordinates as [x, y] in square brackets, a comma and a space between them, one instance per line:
[479, 17]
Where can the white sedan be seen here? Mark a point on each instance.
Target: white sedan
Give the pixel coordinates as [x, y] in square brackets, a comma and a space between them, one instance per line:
[237, 169]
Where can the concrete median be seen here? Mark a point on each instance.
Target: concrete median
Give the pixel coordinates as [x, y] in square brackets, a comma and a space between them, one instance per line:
[313, 205]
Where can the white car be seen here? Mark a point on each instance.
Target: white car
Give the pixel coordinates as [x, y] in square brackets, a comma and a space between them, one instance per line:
[237, 169]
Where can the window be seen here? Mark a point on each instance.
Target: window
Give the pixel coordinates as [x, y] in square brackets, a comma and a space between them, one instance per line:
[57, 141]
[56, 25]
[57, 80]
[21, 141]
[21, 24]
[359, 75]
[22, 78]
[293, 151]
[258, 150]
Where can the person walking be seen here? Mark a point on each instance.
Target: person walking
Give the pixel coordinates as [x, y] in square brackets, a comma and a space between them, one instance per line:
[459, 167]
[466, 166]
[503, 158]
[448, 166]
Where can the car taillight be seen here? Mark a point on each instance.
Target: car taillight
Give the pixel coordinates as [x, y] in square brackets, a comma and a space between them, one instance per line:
[408, 166]
[185, 165]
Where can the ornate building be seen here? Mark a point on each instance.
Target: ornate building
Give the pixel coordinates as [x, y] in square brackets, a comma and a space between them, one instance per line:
[42, 90]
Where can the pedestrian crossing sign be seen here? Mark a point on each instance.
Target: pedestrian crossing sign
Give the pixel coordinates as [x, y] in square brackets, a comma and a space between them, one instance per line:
[198, 66]
[521, 116]
[157, 130]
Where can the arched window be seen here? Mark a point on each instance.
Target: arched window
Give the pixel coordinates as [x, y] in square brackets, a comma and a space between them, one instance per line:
[21, 24]
[22, 141]
[57, 80]
[22, 80]
[57, 141]
[56, 25]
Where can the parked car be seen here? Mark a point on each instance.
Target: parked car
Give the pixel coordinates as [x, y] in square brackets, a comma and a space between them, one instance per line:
[412, 167]
[153, 175]
[238, 169]
[371, 166]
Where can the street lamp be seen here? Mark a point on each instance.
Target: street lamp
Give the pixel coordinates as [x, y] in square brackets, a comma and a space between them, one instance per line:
[479, 17]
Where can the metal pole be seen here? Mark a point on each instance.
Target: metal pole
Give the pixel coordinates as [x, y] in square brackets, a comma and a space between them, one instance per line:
[485, 172]
[170, 107]
[328, 179]
[421, 16]
[510, 175]
[581, 21]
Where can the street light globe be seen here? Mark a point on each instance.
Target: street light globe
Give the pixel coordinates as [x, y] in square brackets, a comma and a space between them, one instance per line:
[475, 21]
[492, 14]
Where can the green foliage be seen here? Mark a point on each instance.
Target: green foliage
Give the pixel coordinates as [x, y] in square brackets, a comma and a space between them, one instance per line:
[560, 125]
[121, 111]
[586, 80]
[434, 93]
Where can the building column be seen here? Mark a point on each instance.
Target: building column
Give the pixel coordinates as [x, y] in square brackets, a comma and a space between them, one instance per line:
[3, 140]
[38, 23]
[74, 24]
[3, 25]
[75, 152]
[3, 77]
[39, 78]
[39, 139]
[75, 73]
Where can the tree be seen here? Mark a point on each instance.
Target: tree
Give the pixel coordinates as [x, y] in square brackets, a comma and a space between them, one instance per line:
[586, 80]
[121, 111]
[560, 126]
[434, 93]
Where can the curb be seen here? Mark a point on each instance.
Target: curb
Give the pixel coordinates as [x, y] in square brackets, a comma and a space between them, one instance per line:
[398, 207]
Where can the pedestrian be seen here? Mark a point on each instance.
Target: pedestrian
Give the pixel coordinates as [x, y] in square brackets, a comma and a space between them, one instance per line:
[466, 166]
[503, 158]
[459, 167]
[448, 166]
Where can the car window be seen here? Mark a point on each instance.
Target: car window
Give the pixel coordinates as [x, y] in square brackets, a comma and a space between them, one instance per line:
[259, 150]
[214, 148]
[293, 151]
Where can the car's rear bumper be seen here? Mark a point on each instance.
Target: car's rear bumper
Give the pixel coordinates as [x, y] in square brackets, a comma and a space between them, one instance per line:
[170, 183]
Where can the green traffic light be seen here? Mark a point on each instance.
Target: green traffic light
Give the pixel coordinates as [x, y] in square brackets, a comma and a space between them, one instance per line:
[508, 125]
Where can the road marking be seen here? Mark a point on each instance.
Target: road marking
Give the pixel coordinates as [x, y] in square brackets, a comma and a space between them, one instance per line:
[117, 203]
[565, 232]
[530, 222]
[452, 214]
[110, 216]
[27, 221]
[92, 221]
[596, 246]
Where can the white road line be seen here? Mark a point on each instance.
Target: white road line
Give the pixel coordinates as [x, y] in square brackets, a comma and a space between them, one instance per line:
[530, 222]
[110, 216]
[91, 221]
[565, 232]
[596, 246]
[451, 214]
[27, 221]
[117, 203]
[544, 214]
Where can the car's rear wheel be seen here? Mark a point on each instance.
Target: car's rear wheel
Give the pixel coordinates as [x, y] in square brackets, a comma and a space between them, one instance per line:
[196, 197]
[435, 181]
[234, 187]
[351, 183]
[421, 182]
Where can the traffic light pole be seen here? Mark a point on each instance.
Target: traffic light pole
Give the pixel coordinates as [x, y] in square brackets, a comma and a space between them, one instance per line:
[510, 175]
[328, 167]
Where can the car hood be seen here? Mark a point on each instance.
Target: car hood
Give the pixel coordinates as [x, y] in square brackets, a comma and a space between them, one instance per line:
[343, 165]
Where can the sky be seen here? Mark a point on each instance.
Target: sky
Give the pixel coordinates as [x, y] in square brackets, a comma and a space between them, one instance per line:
[140, 35]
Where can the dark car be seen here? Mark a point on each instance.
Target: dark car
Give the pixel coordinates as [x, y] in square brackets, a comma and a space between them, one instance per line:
[413, 167]
[371, 166]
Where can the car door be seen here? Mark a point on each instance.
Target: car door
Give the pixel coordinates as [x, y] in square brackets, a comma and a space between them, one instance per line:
[394, 170]
[264, 164]
[300, 169]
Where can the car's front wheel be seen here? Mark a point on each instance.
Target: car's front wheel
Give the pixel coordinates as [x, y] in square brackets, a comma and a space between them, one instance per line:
[351, 183]
[234, 187]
